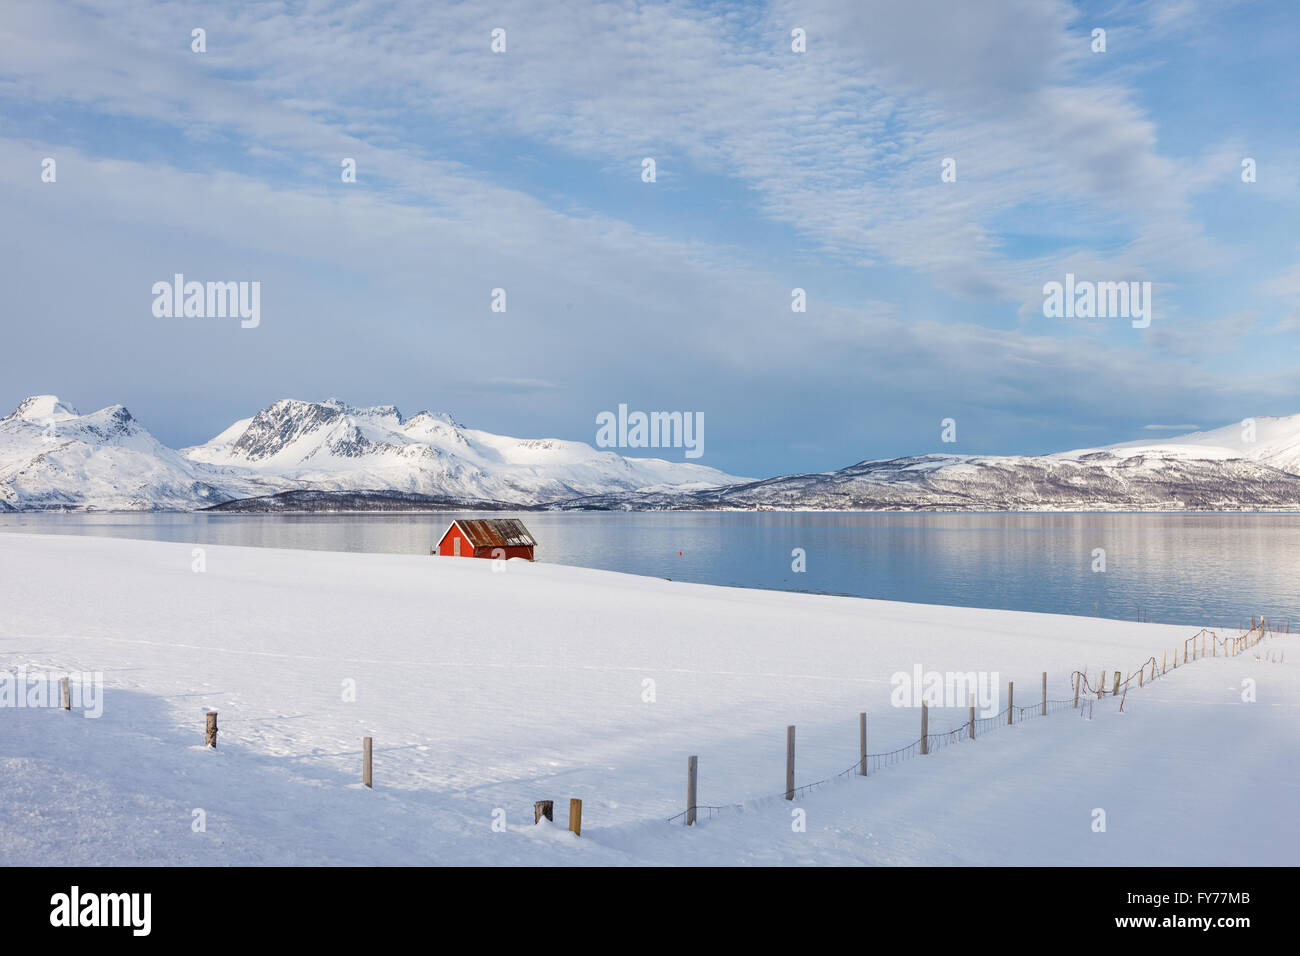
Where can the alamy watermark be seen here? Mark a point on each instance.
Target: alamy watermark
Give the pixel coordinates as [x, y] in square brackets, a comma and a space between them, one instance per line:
[1098, 300]
[653, 430]
[208, 300]
[946, 689]
[22, 688]
[130, 910]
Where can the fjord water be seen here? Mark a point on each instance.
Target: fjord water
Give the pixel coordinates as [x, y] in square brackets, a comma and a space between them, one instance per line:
[1196, 569]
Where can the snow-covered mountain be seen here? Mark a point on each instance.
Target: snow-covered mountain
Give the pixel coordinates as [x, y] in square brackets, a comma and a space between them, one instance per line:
[1220, 470]
[297, 455]
[52, 457]
[1269, 441]
[332, 446]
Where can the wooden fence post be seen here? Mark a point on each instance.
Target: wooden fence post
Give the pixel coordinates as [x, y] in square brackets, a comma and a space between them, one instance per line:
[1115, 692]
[1142, 673]
[1044, 714]
[862, 744]
[211, 738]
[789, 762]
[1101, 682]
[367, 744]
[1164, 655]
[925, 728]
[543, 808]
[1078, 679]
[65, 693]
[575, 816]
[972, 716]
[1011, 700]
[692, 769]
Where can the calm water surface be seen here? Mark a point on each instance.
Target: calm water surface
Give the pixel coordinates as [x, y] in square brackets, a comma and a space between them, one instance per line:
[1179, 569]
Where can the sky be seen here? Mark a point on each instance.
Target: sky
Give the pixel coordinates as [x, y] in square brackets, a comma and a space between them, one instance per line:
[776, 169]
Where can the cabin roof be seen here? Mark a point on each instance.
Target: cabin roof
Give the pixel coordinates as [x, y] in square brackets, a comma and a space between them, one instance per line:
[494, 532]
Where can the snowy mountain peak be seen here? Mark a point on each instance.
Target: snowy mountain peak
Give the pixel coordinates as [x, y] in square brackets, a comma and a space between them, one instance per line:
[51, 457]
[334, 446]
[363, 411]
[441, 417]
[284, 423]
[1274, 441]
[43, 409]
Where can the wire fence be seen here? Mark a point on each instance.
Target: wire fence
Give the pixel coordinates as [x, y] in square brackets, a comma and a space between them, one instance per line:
[1085, 693]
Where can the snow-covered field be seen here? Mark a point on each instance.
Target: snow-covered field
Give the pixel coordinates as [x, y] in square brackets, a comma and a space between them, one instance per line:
[487, 687]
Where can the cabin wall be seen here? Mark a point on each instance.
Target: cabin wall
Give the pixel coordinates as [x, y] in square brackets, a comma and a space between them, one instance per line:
[517, 551]
[447, 547]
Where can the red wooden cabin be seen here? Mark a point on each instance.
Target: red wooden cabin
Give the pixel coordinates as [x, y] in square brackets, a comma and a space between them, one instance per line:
[487, 538]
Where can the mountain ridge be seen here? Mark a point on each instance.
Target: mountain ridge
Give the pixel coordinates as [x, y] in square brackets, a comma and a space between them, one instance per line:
[1215, 470]
[297, 455]
[52, 457]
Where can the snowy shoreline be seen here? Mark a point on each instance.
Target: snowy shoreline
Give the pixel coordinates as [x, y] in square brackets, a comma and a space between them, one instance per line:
[486, 688]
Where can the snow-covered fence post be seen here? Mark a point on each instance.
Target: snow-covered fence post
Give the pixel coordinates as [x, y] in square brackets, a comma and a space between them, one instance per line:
[692, 768]
[972, 716]
[1164, 659]
[575, 816]
[210, 738]
[862, 744]
[1101, 682]
[367, 744]
[1044, 693]
[925, 728]
[789, 762]
[65, 693]
[543, 808]
[1142, 673]
[1011, 700]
